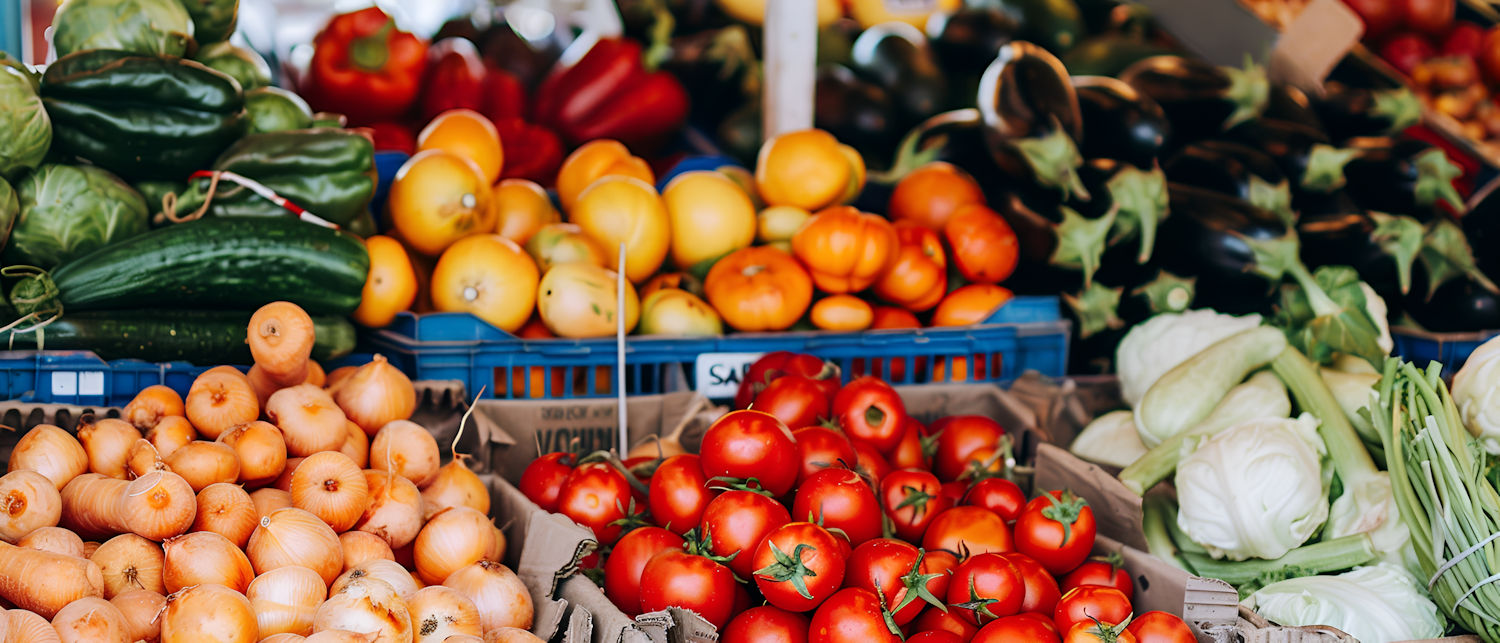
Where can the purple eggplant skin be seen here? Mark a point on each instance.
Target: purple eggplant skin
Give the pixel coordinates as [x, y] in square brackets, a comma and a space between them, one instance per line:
[1222, 166]
[1482, 226]
[1460, 305]
[1204, 238]
[1290, 104]
[1119, 122]
[1387, 175]
[1361, 101]
[1198, 98]
[1335, 231]
[1031, 121]
[1296, 148]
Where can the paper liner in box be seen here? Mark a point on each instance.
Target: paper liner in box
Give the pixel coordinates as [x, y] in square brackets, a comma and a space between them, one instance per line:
[542, 548]
[610, 625]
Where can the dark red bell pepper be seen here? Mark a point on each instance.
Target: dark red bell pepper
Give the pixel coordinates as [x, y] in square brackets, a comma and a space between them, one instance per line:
[393, 137]
[610, 93]
[365, 68]
[504, 94]
[532, 152]
[455, 78]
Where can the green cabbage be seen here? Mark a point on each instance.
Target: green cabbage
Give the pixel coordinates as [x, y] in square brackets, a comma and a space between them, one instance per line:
[1376, 604]
[239, 63]
[213, 20]
[159, 27]
[68, 211]
[10, 206]
[273, 109]
[25, 129]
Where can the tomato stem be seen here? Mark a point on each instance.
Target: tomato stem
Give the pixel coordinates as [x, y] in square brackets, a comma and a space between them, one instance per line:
[789, 568]
[916, 585]
[1064, 512]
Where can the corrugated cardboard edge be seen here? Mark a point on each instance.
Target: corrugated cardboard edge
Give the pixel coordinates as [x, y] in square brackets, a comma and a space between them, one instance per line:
[544, 549]
[610, 624]
[1209, 606]
[1253, 628]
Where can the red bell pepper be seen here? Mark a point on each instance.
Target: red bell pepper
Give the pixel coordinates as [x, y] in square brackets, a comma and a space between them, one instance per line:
[365, 68]
[393, 137]
[609, 93]
[455, 78]
[532, 152]
[504, 94]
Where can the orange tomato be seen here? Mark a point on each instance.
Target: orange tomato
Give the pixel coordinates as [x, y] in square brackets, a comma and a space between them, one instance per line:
[621, 209]
[469, 134]
[535, 329]
[521, 208]
[971, 304]
[759, 288]
[893, 317]
[932, 193]
[437, 198]
[984, 245]
[846, 250]
[919, 277]
[489, 276]
[679, 280]
[391, 286]
[593, 161]
[842, 312]
[710, 217]
[557, 243]
[804, 168]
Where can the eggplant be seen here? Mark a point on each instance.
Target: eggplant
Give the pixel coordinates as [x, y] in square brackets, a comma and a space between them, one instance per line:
[1304, 153]
[1055, 25]
[1289, 104]
[895, 56]
[1235, 170]
[1205, 238]
[1200, 100]
[1031, 118]
[1164, 293]
[1119, 122]
[529, 60]
[1482, 226]
[1361, 101]
[966, 40]
[1097, 329]
[1405, 176]
[1458, 306]
[1111, 53]
[1334, 230]
[857, 112]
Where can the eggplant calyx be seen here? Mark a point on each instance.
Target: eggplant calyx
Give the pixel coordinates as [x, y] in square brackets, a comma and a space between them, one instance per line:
[1142, 200]
[1400, 237]
[1080, 241]
[1325, 167]
[1054, 161]
[1168, 293]
[1446, 255]
[1249, 90]
[1273, 198]
[924, 142]
[1435, 174]
[1096, 307]
[1279, 257]
[1400, 106]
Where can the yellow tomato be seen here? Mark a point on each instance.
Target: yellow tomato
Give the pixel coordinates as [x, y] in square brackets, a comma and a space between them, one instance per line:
[754, 11]
[489, 276]
[678, 313]
[391, 286]
[593, 161]
[780, 223]
[869, 13]
[579, 300]
[842, 312]
[438, 198]
[618, 209]
[710, 216]
[746, 180]
[521, 208]
[856, 174]
[804, 168]
[469, 134]
[558, 243]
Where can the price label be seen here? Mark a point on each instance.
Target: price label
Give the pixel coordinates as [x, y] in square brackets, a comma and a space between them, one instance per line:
[911, 6]
[719, 374]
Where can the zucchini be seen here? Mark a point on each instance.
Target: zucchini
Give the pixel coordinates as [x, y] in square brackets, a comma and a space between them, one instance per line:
[204, 337]
[220, 262]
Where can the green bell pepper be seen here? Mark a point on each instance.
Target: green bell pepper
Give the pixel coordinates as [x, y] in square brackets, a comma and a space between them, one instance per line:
[213, 20]
[329, 172]
[141, 117]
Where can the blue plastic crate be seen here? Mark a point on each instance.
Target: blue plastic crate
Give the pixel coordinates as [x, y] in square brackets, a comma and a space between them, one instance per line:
[1452, 349]
[81, 378]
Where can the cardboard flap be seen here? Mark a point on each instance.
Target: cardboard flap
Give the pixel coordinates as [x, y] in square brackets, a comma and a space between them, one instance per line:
[657, 625]
[610, 625]
[580, 626]
[1219, 31]
[690, 628]
[928, 402]
[1060, 411]
[1314, 43]
[1117, 511]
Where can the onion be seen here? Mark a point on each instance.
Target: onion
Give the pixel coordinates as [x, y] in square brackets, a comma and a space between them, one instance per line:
[356, 445]
[394, 510]
[54, 539]
[501, 598]
[157, 507]
[387, 570]
[204, 463]
[28, 627]
[130, 562]
[268, 500]
[511, 635]
[151, 405]
[28, 502]
[360, 546]
[226, 510]
[140, 608]
[455, 486]
[107, 442]
[221, 398]
[284, 481]
[208, 614]
[284, 600]
[260, 449]
[463, 638]
[366, 605]
[89, 547]
[143, 459]
[451, 540]
[341, 636]
[171, 434]
[497, 553]
[315, 374]
[376, 395]
[264, 386]
[328, 485]
[51, 452]
[407, 449]
[90, 620]
[205, 558]
[336, 379]
[294, 537]
[439, 612]
[308, 418]
[284, 638]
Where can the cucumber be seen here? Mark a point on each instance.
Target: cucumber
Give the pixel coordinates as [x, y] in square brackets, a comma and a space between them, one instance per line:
[221, 262]
[204, 337]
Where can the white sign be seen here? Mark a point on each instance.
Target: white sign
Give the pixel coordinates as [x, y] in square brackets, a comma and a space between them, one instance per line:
[72, 383]
[911, 6]
[719, 374]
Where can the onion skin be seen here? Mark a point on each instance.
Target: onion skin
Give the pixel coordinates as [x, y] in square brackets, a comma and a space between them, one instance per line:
[228, 511]
[284, 481]
[511, 635]
[269, 500]
[220, 398]
[502, 599]
[52, 452]
[375, 395]
[455, 486]
[394, 510]
[140, 608]
[129, 562]
[28, 502]
[452, 540]
[156, 507]
[89, 547]
[285, 600]
[54, 539]
[44, 582]
[361, 546]
[143, 459]
[342, 636]
[205, 558]
[463, 638]
[261, 451]
[328, 485]
[204, 463]
[408, 449]
[280, 336]
[309, 420]
[385, 570]
[151, 405]
[90, 620]
[367, 605]
[284, 638]
[208, 614]
[356, 445]
[28, 627]
[107, 443]
[171, 434]
[295, 537]
[439, 612]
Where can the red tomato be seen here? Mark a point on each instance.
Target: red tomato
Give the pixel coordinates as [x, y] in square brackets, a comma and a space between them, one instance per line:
[737, 521]
[766, 624]
[1433, 17]
[641, 467]
[776, 364]
[956, 490]
[910, 452]
[1406, 50]
[1101, 632]
[595, 495]
[679, 579]
[542, 480]
[898, 569]
[1081, 603]
[999, 495]
[1160, 627]
[871, 464]
[679, 494]
[975, 530]
[751, 444]
[820, 447]
[1380, 16]
[870, 410]
[623, 567]
[912, 500]
[795, 400]
[393, 137]
[940, 621]
[1042, 593]
[1466, 40]
[959, 436]
[852, 615]
[1489, 54]
[741, 600]
[1105, 572]
[839, 499]
[934, 636]
[1032, 628]
[986, 587]
[1057, 530]
[799, 566]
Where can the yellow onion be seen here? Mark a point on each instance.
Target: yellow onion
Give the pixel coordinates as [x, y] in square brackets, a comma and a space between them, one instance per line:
[502, 599]
[89, 547]
[387, 570]
[361, 546]
[268, 500]
[366, 605]
[328, 485]
[140, 608]
[284, 600]
[208, 614]
[90, 620]
[336, 379]
[341, 636]
[451, 540]
[170, 434]
[309, 419]
[51, 452]
[143, 459]
[205, 558]
[54, 539]
[151, 405]
[228, 511]
[376, 395]
[463, 638]
[203, 463]
[220, 398]
[439, 612]
[356, 445]
[455, 486]
[294, 537]
[407, 449]
[511, 635]
[156, 507]
[28, 627]
[284, 638]
[284, 481]
[130, 562]
[260, 449]
[107, 442]
[394, 511]
[497, 552]
[28, 502]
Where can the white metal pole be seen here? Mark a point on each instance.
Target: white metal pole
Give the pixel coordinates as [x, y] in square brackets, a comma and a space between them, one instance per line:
[791, 35]
[620, 349]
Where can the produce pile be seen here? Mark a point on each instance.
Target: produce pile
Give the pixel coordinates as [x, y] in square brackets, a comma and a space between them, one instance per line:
[282, 505]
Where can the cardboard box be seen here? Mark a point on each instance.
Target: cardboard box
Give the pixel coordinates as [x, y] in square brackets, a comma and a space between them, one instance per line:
[1254, 629]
